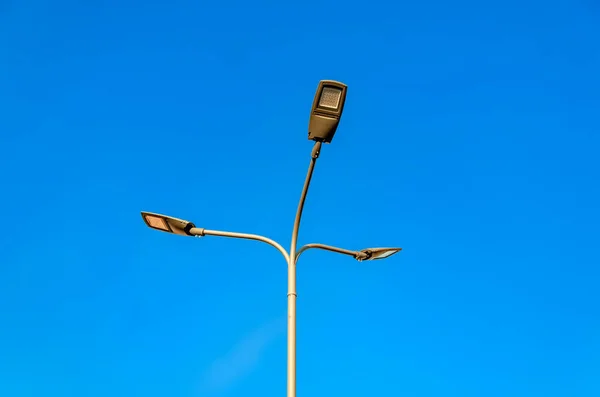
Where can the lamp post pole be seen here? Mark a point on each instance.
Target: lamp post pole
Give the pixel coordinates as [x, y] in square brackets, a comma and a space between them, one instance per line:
[325, 115]
[292, 295]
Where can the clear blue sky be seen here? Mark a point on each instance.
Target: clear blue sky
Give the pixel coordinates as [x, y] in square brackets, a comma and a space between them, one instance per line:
[470, 138]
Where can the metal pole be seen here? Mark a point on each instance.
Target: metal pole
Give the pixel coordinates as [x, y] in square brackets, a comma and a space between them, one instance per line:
[291, 296]
[200, 232]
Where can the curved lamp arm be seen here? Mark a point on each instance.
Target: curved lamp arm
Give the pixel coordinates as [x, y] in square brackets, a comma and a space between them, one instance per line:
[355, 254]
[199, 232]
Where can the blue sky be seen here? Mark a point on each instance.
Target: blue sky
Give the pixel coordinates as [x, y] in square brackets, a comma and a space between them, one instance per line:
[470, 138]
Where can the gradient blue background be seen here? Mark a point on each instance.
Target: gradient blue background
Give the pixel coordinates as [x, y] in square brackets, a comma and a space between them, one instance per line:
[470, 138]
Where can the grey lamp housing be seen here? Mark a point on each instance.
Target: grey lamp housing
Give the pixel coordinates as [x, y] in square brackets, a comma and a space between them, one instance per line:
[167, 224]
[326, 110]
[370, 254]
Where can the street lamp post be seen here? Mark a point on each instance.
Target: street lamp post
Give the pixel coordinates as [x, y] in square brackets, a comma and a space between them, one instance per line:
[325, 115]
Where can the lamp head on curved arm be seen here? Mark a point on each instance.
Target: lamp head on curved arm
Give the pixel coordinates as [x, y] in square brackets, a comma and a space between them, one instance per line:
[186, 228]
[370, 254]
[363, 255]
[168, 224]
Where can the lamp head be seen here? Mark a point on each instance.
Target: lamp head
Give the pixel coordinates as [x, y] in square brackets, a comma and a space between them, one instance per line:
[326, 110]
[167, 223]
[370, 254]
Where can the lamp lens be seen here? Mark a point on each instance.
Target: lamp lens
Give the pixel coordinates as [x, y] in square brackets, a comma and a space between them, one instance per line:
[330, 97]
[385, 254]
[157, 223]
